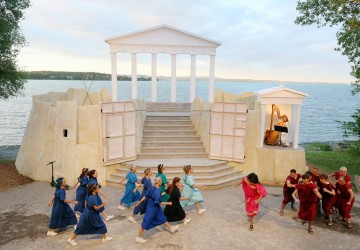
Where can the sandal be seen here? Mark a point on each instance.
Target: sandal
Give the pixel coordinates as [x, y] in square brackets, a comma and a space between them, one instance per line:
[281, 212]
[330, 222]
[303, 222]
[310, 230]
[349, 225]
[293, 208]
[251, 228]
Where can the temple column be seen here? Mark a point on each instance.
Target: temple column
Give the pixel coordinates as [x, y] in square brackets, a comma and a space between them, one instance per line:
[211, 78]
[153, 78]
[173, 77]
[297, 126]
[113, 77]
[134, 76]
[262, 125]
[193, 78]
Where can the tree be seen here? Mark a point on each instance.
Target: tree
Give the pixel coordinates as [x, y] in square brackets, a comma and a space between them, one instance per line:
[346, 15]
[12, 79]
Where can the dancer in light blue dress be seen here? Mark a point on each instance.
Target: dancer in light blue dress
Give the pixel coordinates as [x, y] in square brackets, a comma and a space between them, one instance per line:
[131, 193]
[191, 190]
[154, 215]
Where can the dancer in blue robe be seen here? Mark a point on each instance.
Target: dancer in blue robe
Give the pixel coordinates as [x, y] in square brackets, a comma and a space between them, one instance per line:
[93, 174]
[131, 193]
[61, 215]
[146, 183]
[90, 220]
[81, 190]
[154, 215]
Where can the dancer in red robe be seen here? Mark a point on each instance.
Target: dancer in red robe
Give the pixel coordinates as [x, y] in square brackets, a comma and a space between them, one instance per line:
[327, 192]
[289, 188]
[308, 194]
[342, 172]
[345, 199]
[254, 192]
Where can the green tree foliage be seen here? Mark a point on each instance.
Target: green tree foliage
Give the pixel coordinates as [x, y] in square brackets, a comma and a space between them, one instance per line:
[342, 13]
[346, 15]
[12, 79]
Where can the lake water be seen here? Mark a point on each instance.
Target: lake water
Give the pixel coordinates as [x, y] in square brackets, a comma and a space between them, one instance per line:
[325, 104]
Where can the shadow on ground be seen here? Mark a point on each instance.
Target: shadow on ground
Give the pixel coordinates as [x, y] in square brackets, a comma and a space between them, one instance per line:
[14, 225]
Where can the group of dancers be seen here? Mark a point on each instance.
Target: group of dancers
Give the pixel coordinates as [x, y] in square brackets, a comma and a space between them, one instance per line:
[314, 187]
[88, 203]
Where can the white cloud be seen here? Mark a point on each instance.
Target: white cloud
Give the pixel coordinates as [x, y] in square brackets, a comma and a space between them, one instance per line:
[259, 39]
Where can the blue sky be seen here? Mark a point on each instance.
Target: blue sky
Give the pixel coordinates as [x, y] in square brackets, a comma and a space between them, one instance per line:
[259, 38]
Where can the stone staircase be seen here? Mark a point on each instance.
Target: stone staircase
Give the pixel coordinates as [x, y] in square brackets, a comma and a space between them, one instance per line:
[168, 133]
[169, 138]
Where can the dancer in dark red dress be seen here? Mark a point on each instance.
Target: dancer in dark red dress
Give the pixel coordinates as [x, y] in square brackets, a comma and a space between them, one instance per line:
[345, 199]
[289, 188]
[327, 192]
[308, 194]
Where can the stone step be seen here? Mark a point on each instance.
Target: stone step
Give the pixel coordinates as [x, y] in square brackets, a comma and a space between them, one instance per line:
[172, 155]
[156, 117]
[168, 132]
[165, 127]
[171, 110]
[178, 171]
[219, 181]
[177, 149]
[151, 105]
[167, 122]
[174, 143]
[171, 138]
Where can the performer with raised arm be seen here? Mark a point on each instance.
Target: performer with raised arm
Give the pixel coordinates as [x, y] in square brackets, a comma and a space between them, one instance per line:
[254, 192]
[342, 172]
[308, 194]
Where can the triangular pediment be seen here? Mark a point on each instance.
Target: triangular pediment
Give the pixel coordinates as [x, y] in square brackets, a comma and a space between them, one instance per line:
[281, 92]
[163, 35]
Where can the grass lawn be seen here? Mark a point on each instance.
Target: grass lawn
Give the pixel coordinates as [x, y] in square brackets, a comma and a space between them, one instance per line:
[330, 161]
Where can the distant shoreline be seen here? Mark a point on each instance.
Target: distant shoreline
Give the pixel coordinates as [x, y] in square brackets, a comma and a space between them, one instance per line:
[95, 76]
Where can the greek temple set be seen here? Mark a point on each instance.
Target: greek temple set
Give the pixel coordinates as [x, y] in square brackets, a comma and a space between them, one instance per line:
[225, 137]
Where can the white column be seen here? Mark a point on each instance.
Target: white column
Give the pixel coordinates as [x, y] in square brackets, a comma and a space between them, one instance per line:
[262, 125]
[211, 78]
[134, 76]
[193, 78]
[153, 78]
[173, 77]
[113, 77]
[297, 126]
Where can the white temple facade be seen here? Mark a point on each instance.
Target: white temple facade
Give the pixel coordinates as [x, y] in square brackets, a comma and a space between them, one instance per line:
[162, 39]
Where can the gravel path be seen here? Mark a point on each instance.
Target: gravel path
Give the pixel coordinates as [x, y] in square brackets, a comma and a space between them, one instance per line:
[24, 220]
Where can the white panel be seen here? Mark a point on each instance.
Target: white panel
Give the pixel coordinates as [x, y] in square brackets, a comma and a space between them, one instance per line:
[107, 107]
[241, 108]
[115, 148]
[114, 126]
[129, 106]
[241, 116]
[119, 107]
[129, 123]
[215, 145]
[227, 147]
[229, 107]
[216, 123]
[240, 132]
[228, 124]
[217, 107]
